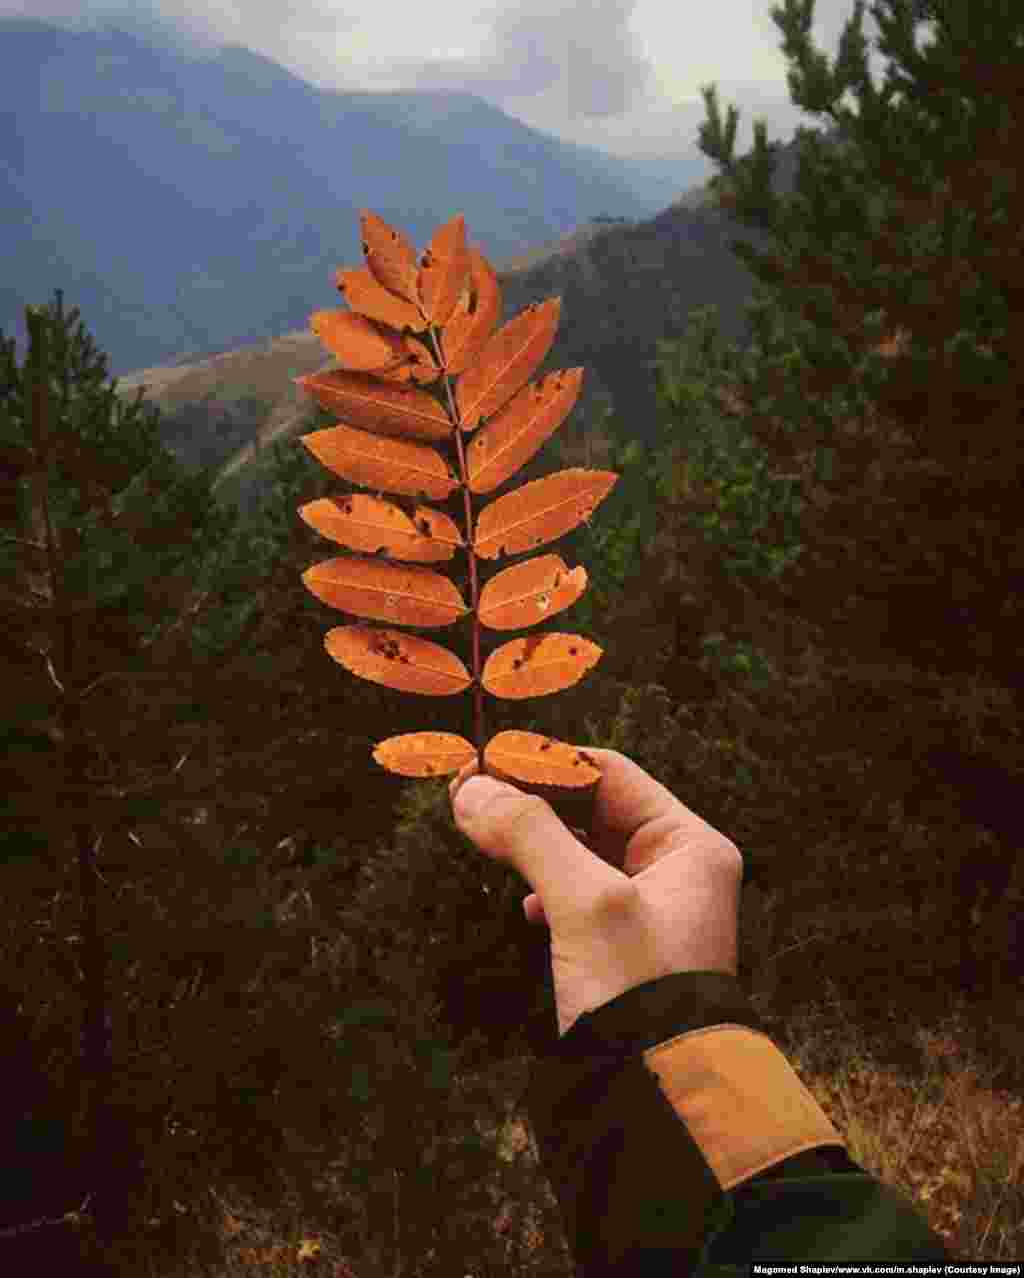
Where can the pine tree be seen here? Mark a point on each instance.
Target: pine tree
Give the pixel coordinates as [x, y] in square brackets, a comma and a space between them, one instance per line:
[888, 326]
[110, 553]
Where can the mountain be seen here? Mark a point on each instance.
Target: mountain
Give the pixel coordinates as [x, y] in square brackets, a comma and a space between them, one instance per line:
[623, 287]
[192, 202]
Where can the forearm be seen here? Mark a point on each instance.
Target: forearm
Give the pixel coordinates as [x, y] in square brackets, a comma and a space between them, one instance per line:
[677, 1136]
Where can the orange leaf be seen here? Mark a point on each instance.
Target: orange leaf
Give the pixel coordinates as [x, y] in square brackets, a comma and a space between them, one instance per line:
[506, 362]
[529, 592]
[410, 596]
[398, 660]
[377, 406]
[358, 342]
[452, 299]
[365, 294]
[473, 320]
[382, 527]
[538, 664]
[390, 257]
[424, 754]
[540, 511]
[511, 438]
[419, 365]
[444, 270]
[388, 465]
[532, 759]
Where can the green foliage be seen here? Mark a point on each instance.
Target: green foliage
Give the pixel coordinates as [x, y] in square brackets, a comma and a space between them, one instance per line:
[130, 517]
[711, 452]
[610, 554]
[910, 227]
[739, 658]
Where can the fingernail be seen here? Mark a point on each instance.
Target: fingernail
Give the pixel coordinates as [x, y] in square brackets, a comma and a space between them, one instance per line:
[474, 793]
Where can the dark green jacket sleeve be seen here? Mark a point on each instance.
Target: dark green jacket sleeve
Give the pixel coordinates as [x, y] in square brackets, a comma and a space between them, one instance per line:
[679, 1141]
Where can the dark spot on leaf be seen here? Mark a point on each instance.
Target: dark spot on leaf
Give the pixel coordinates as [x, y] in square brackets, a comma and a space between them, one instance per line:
[546, 745]
[572, 652]
[516, 664]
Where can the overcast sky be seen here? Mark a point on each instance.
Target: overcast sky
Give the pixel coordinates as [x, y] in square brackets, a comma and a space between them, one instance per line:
[622, 75]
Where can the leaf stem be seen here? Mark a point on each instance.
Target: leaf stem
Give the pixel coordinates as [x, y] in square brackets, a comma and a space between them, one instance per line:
[478, 691]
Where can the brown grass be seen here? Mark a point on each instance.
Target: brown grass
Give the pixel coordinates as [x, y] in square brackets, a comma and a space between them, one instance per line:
[938, 1133]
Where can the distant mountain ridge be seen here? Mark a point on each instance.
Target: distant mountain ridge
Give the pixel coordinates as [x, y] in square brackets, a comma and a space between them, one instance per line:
[623, 287]
[191, 203]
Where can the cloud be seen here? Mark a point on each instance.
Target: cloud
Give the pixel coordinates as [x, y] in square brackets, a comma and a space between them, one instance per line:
[622, 75]
[585, 46]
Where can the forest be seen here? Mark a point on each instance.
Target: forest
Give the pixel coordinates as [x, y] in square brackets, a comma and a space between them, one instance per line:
[263, 1003]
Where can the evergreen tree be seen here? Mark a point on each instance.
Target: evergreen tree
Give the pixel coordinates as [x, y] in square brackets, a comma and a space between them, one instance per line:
[110, 553]
[886, 372]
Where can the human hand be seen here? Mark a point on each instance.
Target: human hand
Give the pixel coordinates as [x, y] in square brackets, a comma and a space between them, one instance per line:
[658, 894]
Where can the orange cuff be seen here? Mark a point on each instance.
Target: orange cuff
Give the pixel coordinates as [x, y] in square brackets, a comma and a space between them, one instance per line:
[740, 1098]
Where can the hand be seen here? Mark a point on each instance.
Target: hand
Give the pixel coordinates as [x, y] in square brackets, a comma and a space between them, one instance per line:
[659, 893]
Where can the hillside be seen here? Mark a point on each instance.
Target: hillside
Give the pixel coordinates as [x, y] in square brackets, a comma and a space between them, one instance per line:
[623, 287]
[213, 196]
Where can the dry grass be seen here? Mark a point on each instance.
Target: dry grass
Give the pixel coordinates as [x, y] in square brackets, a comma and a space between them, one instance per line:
[938, 1133]
[941, 1135]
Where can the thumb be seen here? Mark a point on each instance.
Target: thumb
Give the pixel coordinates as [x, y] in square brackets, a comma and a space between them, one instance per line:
[525, 831]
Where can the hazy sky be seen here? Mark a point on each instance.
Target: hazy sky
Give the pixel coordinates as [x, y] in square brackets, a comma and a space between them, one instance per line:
[622, 75]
